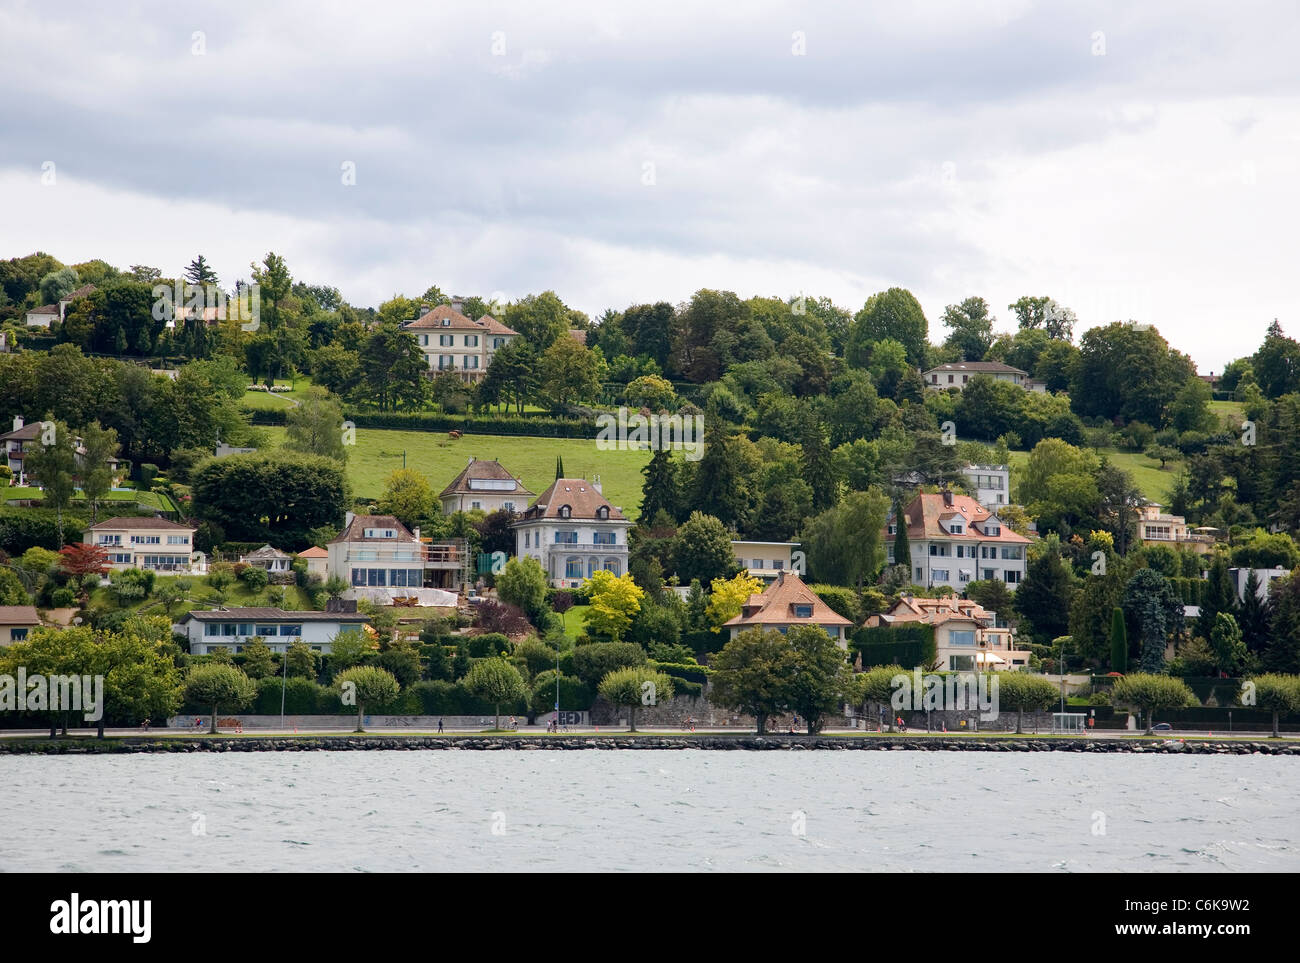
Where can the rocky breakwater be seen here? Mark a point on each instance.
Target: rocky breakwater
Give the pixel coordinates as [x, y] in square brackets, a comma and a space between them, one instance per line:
[788, 743]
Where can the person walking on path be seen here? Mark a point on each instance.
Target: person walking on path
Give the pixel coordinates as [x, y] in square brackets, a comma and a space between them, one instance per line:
[440, 724]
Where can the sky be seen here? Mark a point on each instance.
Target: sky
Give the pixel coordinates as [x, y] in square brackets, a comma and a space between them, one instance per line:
[1133, 161]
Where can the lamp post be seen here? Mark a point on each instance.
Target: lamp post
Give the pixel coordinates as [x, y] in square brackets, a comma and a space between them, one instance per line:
[284, 678]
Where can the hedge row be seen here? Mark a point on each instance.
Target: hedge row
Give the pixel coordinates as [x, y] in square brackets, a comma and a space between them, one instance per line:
[23, 528]
[540, 426]
[906, 645]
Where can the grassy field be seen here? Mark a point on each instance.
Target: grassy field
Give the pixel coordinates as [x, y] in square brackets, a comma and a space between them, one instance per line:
[152, 499]
[573, 624]
[1154, 482]
[266, 401]
[199, 597]
[378, 453]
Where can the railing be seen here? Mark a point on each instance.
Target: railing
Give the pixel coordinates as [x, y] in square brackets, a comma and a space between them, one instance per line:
[586, 547]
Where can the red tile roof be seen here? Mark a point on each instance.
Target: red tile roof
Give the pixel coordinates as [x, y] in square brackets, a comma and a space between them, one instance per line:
[456, 322]
[583, 501]
[925, 510]
[483, 469]
[776, 606]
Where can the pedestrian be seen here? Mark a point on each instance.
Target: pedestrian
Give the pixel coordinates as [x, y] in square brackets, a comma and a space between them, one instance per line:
[440, 724]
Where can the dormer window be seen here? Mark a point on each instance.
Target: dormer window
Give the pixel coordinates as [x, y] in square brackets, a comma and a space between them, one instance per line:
[565, 511]
[955, 526]
[602, 512]
[803, 611]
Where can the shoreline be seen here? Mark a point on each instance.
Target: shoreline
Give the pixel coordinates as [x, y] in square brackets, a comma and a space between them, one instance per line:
[362, 742]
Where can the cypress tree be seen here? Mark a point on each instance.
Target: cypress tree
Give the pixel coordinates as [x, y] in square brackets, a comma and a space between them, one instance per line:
[1118, 641]
[902, 548]
[559, 467]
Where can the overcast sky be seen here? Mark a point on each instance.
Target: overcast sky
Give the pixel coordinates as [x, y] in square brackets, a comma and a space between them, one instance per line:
[1135, 161]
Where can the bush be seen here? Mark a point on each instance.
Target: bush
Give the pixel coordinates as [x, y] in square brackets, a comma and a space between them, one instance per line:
[63, 598]
[487, 645]
[254, 577]
[906, 645]
[844, 601]
[24, 528]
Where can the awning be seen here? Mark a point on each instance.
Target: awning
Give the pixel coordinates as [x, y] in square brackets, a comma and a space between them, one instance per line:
[988, 657]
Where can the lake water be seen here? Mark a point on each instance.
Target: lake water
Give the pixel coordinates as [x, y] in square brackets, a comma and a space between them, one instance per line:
[644, 810]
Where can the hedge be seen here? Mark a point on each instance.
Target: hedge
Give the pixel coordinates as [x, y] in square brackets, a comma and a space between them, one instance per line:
[541, 426]
[844, 601]
[908, 645]
[23, 528]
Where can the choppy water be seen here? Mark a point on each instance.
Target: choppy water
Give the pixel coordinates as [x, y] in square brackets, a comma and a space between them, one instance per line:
[650, 810]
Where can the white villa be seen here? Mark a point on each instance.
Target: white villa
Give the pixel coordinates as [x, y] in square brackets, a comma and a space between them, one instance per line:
[958, 374]
[574, 532]
[954, 540]
[147, 543]
[43, 317]
[451, 341]
[232, 628]
[991, 484]
[966, 636]
[764, 560]
[487, 486]
[379, 552]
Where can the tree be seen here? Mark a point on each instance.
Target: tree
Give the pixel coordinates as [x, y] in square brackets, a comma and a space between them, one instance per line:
[1151, 604]
[258, 660]
[727, 598]
[407, 497]
[876, 688]
[892, 314]
[141, 680]
[903, 548]
[1276, 364]
[496, 681]
[1035, 312]
[1118, 642]
[99, 445]
[523, 583]
[1127, 371]
[200, 273]
[365, 684]
[702, 549]
[276, 497]
[80, 559]
[821, 681]
[315, 425]
[53, 463]
[633, 687]
[217, 686]
[1218, 596]
[1045, 595]
[971, 328]
[392, 369]
[58, 284]
[615, 599]
[652, 392]
[1022, 691]
[1226, 643]
[569, 375]
[1149, 692]
[1279, 694]
[540, 318]
[752, 674]
[1254, 616]
[660, 491]
[845, 544]
[301, 660]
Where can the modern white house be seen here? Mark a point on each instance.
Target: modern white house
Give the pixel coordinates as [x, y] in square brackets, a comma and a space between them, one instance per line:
[147, 543]
[990, 484]
[574, 532]
[1265, 577]
[452, 341]
[1155, 527]
[377, 552]
[232, 628]
[954, 540]
[765, 560]
[966, 636]
[486, 486]
[958, 374]
[785, 604]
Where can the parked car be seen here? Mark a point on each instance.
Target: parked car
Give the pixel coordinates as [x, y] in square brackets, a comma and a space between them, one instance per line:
[1162, 727]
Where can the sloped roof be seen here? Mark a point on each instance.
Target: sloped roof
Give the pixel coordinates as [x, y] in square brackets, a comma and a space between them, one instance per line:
[494, 326]
[776, 606]
[978, 367]
[356, 531]
[925, 510]
[81, 292]
[483, 469]
[266, 551]
[19, 615]
[314, 552]
[268, 615]
[138, 523]
[45, 309]
[583, 501]
[456, 321]
[26, 433]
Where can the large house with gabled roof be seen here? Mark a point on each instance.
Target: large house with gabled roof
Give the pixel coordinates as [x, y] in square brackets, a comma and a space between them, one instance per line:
[378, 552]
[785, 604]
[957, 374]
[955, 540]
[484, 485]
[573, 532]
[43, 317]
[452, 341]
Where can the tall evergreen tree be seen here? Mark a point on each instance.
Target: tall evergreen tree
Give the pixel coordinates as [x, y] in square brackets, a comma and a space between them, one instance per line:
[1044, 597]
[1254, 616]
[659, 491]
[559, 467]
[1118, 641]
[1218, 596]
[902, 548]
[200, 273]
[818, 470]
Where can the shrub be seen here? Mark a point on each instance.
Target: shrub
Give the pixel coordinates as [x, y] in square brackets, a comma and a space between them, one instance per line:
[254, 577]
[488, 644]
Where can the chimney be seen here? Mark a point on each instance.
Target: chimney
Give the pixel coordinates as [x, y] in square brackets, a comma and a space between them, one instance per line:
[416, 533]
[424, 309]
[947, 497]
[780, 577]
[18, 422]
[347, 519]
[596, 485]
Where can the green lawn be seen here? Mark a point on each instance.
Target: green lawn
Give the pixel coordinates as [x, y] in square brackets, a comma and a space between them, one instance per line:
[199, 595]
[379, 452]
[573, 624]
[152, 499]
[269, 401]
[1154, 482]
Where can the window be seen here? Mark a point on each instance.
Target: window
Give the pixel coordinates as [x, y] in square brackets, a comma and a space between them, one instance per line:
[381, 533]
[17, 635]
[424, 340]
[612, 565]
[444, 340]
[989, 574]
[266, 631]
[602, 512]
[591, 566]
[527, 537]
[934, 379]
[920, 573]
[949, 379]
[803, 611]
[110, 540]
[604, 538]
[962, 637]
[475, 504]
[471, 340]
[961, 663]
[565, 512]
[146, 539]
[994, 529]
[893, 528]
[295, 629]
[757, 563]
[212, 628]
[508, 506]
[471, 361]
[1011, 577]
[939, 574]
[1012, 552]
[566, 538]
[955, 527]
[229, 629]
[965, 378]
[573, 567]
[178, 539]
[120, 558]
